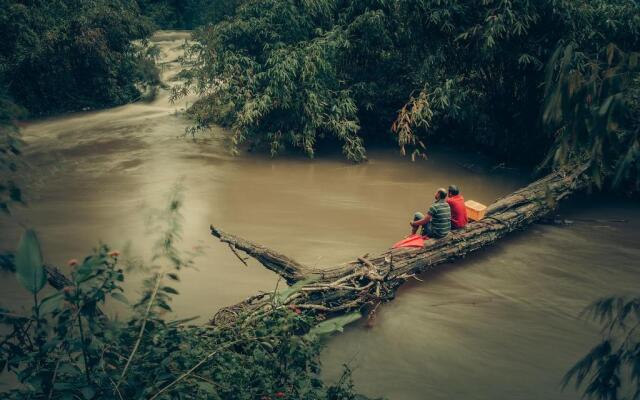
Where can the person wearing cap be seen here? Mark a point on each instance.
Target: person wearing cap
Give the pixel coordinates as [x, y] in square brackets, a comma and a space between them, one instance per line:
[437, 222]
[458, 209]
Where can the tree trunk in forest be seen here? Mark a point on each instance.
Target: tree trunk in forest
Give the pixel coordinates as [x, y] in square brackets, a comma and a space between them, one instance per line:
[367, 281]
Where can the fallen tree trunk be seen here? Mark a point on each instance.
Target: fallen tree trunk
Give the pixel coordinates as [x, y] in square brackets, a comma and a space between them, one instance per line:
[367, 281]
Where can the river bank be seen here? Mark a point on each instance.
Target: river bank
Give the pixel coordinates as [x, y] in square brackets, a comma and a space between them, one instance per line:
[501, 324]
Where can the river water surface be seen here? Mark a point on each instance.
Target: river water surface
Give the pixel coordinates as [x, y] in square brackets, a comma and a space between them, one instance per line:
[500, 325]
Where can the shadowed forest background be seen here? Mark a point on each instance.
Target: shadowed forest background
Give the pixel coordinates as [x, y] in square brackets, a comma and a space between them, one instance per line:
[539, 85]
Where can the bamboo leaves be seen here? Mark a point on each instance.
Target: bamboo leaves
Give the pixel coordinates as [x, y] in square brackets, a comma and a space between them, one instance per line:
[120, 297]
[602, 371]
[589, 105]
[29, 265]
[287, 74]
[292, 96]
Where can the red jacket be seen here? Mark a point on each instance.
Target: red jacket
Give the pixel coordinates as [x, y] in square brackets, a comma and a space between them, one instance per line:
[458, 211]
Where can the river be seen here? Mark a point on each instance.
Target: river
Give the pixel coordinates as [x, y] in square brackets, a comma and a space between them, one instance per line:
[500, 324]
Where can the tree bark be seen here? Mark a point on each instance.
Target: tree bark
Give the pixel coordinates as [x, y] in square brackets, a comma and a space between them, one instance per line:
[369, 281]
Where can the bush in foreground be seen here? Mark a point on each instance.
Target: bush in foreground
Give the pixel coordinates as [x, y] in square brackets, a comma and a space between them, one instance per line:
[68, 348]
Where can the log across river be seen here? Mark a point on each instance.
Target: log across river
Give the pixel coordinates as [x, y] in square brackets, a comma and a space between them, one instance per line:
[368, 281]
[500, 323]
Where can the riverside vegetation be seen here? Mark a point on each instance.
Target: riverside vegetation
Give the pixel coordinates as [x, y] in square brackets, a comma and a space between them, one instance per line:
[547, 82]
[67, 347]
[542, 82]
[611, 369]
[517, 79]
[65, 55]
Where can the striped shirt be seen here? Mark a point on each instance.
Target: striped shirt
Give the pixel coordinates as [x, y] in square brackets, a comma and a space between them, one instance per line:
[440, 218]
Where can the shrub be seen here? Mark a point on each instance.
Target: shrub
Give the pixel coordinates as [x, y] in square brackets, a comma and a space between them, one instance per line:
[68, 347]
[65, 55]
[296, 73]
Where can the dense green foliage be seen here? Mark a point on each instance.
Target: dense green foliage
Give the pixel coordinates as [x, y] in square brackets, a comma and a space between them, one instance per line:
[186, 14]
[65, 55]
[68, 348]
[611, 370]
[10, 150]
[592, 104]
[293, 73]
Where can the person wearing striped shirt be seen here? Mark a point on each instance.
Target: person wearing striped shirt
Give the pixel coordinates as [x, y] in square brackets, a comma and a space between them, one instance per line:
[437, 223]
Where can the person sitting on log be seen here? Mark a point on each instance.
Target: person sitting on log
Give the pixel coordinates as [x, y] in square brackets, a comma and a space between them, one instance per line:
[458, 209]
[437, 223]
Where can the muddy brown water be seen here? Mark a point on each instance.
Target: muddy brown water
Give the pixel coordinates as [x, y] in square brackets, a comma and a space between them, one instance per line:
[500, 324]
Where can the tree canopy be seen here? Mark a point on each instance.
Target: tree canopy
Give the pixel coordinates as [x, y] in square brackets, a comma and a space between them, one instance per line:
[186, 14]
[293, 73]
[65, 55]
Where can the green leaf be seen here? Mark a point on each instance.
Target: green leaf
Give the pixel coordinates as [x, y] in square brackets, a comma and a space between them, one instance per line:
[29, 269]
[67, 369]
[284, 294]
[120, 297]
[169, 289]
[63, 385]
[88, 392]
[50, 345]
[604, 108]
[206, 387]
[88, 268]
[35, 382]
[173, 276]
[51, 303]
[334, 324]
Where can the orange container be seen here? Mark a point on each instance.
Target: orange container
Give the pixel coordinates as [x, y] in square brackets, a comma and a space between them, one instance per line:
[475, 210]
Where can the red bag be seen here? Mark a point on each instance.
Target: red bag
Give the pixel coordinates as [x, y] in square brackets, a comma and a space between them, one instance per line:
[411, 241]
